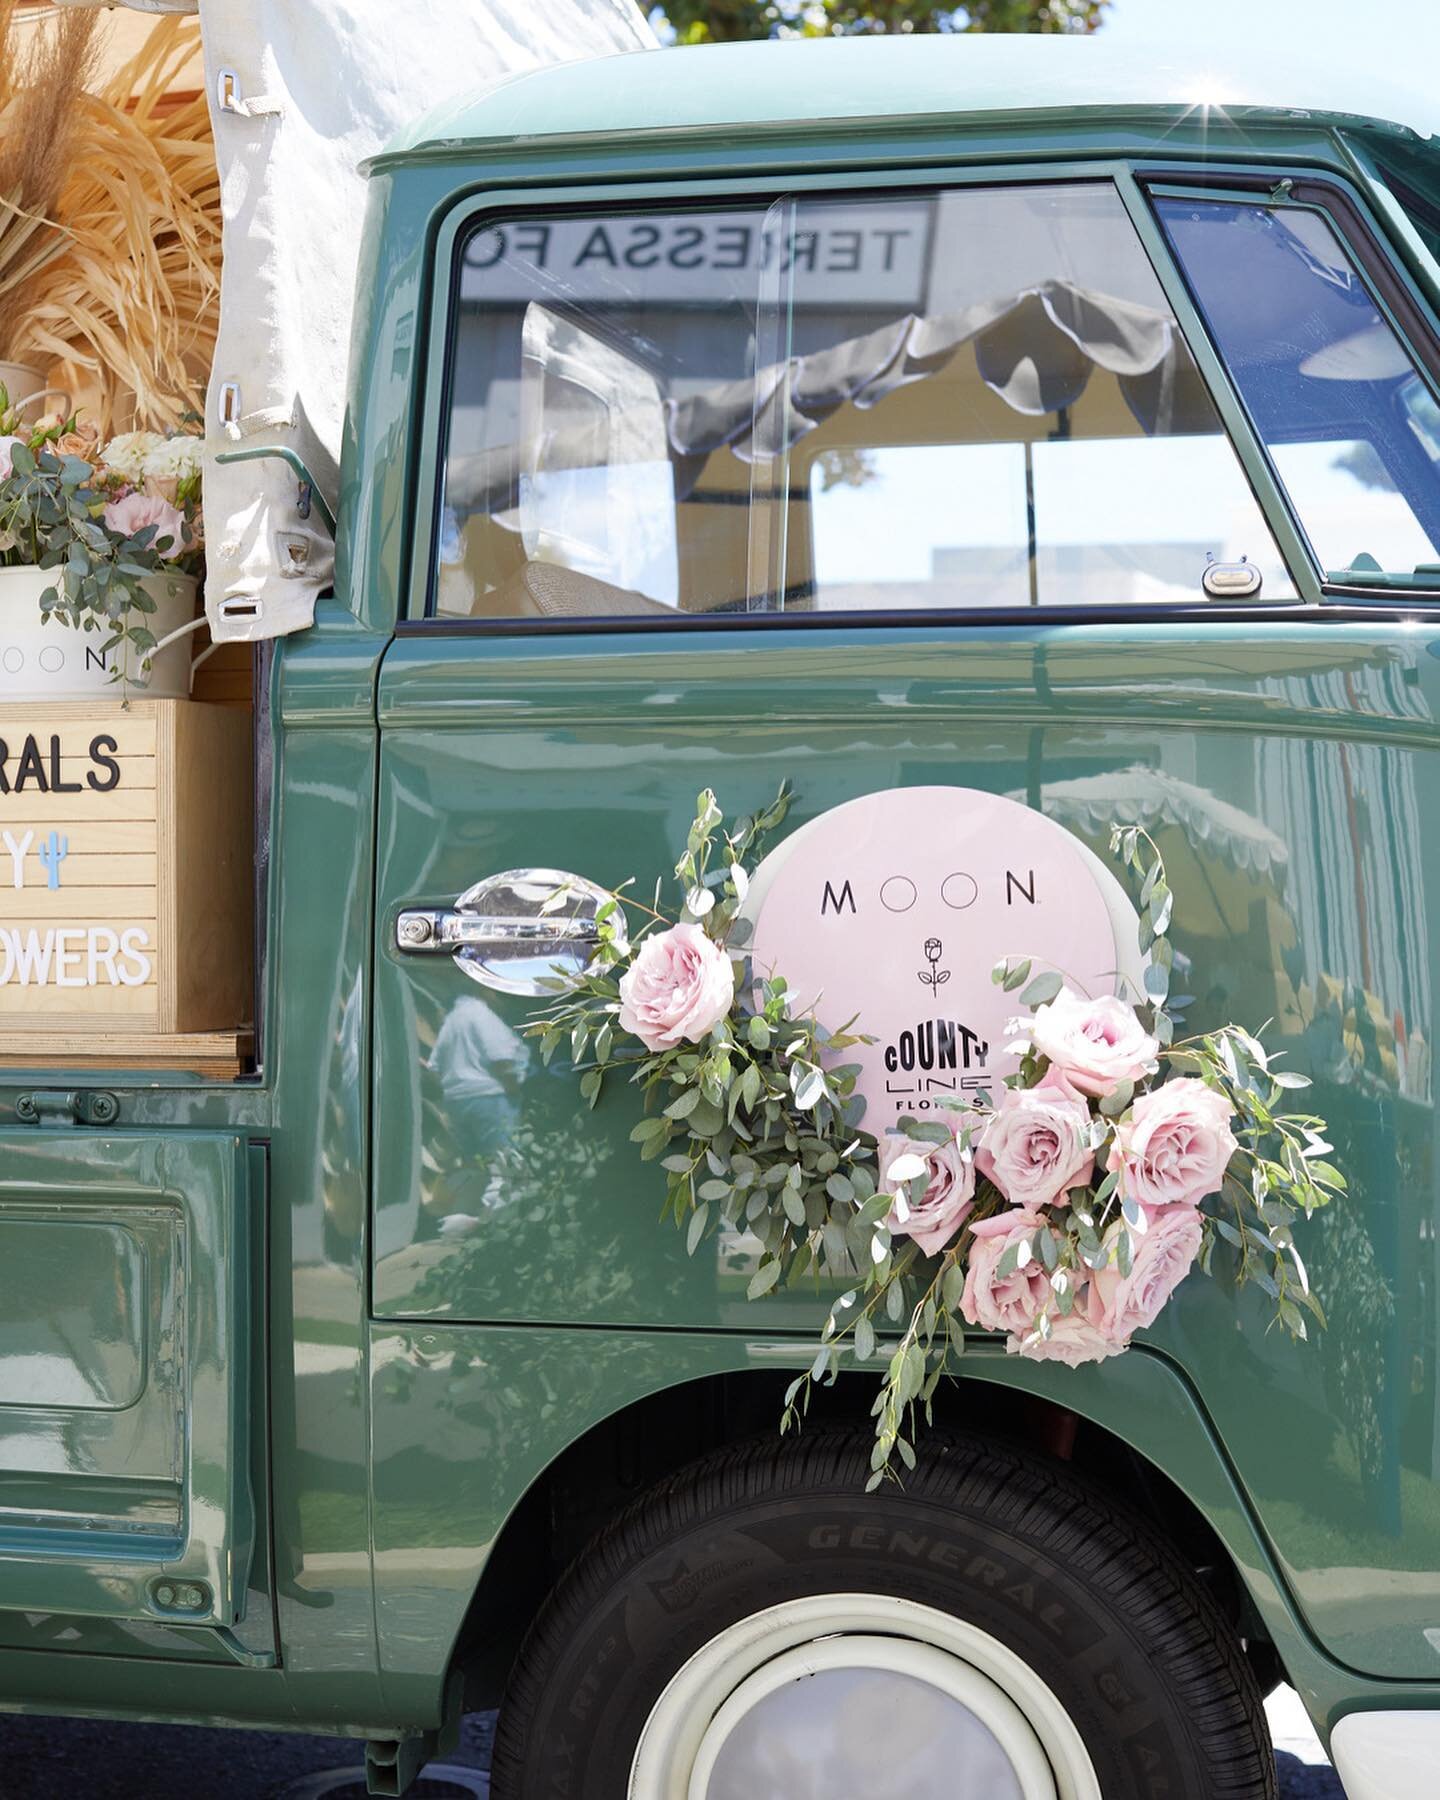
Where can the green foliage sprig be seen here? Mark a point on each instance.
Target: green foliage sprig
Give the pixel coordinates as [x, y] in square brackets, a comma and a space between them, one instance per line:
[1280, 1169]
[52, 517]
[727, 21]
[758, 1128]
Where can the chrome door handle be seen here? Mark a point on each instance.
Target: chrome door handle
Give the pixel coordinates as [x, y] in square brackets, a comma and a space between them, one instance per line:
[451, 931]
[519, 932]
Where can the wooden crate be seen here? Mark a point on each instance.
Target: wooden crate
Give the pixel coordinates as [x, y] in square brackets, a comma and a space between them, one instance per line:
[227, 675]
[126, 870]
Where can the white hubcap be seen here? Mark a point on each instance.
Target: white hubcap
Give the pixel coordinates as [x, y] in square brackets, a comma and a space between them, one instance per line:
[858, 1694]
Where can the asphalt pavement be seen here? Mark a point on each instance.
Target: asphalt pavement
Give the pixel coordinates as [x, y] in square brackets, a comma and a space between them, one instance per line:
[53, 1759]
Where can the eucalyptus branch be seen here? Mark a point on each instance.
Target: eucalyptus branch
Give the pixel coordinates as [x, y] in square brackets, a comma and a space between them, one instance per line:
[753, 1116]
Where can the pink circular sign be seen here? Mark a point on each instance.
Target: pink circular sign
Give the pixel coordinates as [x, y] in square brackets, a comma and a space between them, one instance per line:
[896, 907]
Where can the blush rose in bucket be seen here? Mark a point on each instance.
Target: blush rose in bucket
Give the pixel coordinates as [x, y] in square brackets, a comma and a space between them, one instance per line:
[1061, 1211]
[103, 529]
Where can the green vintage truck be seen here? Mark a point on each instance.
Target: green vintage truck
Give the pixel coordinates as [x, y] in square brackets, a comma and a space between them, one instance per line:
[367, 1388]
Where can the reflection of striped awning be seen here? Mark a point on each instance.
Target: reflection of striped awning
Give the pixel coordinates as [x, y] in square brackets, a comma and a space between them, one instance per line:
[1037, 349]
[1150, 797]
[1357, 895]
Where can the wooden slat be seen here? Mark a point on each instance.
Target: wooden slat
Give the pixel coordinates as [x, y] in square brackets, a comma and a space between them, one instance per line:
[226, 678]
[19, 811]
[34, 905]
[71, 710]
[135, 772]
[107, 871]
[74, 921]
[101, 837]
[204, 913]
[45, 1005]
[220, 1055]
[134, 735]
[167, 851]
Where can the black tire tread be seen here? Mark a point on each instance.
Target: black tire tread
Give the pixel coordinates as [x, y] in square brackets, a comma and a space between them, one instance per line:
[1119, 1553]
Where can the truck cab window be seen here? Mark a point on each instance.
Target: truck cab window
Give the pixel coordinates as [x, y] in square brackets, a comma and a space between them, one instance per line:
[978, 398]
[1352, 427]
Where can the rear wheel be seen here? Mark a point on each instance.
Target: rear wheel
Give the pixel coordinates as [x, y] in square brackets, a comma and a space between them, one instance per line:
[759, 1628]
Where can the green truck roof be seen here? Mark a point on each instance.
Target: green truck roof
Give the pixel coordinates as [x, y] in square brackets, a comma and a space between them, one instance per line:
[799, 84]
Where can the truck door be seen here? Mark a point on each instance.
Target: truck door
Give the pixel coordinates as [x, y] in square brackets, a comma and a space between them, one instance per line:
[941, 489]
[787, 489]
[124, 1444]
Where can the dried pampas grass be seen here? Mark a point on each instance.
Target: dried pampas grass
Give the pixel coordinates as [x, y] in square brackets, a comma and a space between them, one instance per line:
[43, 77]
[126, 313]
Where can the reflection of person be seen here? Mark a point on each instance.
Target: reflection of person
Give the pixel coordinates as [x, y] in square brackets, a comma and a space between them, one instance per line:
[480, 1063]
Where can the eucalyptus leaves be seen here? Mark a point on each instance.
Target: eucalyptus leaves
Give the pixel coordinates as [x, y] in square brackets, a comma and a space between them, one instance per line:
[101, 521]
[1062, 1210]
[750, 1110]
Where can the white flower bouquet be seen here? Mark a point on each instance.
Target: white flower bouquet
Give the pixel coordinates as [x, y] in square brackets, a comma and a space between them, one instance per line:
[103, 518]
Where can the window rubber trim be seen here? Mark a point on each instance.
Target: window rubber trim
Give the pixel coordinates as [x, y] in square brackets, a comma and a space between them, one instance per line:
[473, 222]
[1376, 606]
[1358, 236]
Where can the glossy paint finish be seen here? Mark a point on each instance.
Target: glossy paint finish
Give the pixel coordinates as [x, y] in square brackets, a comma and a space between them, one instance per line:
[584, 751]
[81, 1284]
[588, 756]
[322, 862]
[125, 1411]
[808, 86]
[481, 1412]
[307, 1123]
[400, 1444]
[251, 1641]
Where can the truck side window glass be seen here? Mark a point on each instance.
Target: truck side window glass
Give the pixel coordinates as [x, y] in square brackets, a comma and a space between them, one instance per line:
[1351, 426]
[957, 400]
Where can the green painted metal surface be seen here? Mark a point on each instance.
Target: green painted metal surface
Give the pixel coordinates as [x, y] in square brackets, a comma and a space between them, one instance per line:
[505, 741]
[734, 89]
[73, 1303]
[125, 1411]
[586, 754]
[419, 1382]
[456, 1410]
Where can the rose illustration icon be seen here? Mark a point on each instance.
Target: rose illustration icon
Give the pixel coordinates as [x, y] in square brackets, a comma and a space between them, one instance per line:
[933, 977]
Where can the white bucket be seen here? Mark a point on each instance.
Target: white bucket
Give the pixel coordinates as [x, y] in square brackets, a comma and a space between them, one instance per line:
[44, 657]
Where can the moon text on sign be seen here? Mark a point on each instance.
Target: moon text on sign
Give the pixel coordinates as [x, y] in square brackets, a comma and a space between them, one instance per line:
[893, 908]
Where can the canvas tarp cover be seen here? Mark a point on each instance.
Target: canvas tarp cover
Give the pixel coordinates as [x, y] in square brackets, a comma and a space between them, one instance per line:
[312, 90]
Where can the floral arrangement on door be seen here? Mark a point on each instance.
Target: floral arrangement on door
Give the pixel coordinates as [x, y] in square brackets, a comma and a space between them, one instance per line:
[1061, 1209]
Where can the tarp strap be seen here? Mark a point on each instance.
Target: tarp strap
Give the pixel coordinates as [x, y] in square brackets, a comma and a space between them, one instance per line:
[230, 98]
[268, 418]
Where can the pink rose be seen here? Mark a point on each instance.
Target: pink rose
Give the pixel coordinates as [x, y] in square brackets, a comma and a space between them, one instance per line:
[949, 1188]
[1037, 1144]
[996, 1302]
[83, 441]
[1072, 1340]
[7, 467]
[1121, 1304]
[1095, 1044]
[1176, 1144]
[136, 511]
[679, 986]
